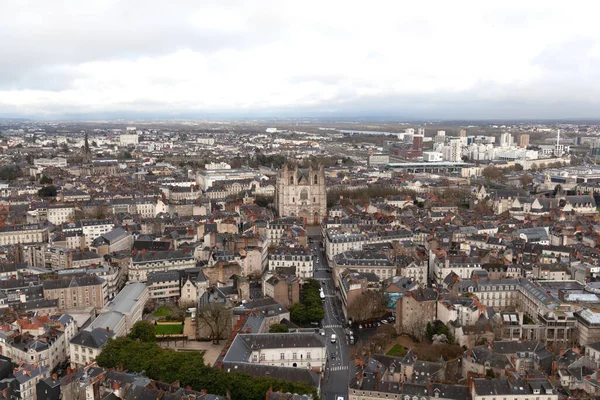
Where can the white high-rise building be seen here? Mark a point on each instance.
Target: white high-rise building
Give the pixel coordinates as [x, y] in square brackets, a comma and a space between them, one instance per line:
[440, 137]
[453, 151]
[506, 140]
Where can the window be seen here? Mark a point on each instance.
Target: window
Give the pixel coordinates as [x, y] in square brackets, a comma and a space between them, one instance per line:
[294, 356]
[291, 180]
[282, 356]
[262, 357]
[304, 194]
[255, 358]
[316, 179]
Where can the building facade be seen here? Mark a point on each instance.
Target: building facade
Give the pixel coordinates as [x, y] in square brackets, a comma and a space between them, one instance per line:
[301, 193]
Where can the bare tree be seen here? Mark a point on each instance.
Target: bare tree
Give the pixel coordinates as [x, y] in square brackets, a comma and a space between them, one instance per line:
[371, 304]
[214, 319]
[382, 338]
[415, 326]
[491, 172]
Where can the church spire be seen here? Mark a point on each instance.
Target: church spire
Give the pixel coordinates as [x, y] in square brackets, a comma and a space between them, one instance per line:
[87, 153]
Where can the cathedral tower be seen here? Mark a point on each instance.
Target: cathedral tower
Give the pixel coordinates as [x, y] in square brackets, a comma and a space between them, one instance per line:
[301, 193]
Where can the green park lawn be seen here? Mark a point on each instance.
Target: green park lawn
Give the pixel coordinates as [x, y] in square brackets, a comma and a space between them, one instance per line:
[170, 329]
[162, 311]
[397, 351]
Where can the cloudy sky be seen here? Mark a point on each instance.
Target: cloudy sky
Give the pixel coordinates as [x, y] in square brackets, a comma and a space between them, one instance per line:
[402, 59]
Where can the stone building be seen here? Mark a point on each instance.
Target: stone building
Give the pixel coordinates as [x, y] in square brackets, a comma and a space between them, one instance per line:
[301, 193]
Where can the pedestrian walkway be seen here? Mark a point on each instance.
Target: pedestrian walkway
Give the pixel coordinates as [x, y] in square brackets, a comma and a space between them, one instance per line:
[339, 368]
[332, 326]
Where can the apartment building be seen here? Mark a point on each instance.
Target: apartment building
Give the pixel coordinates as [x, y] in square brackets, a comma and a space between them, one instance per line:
[441, 265]
[29, 233]
[41, 340]
[283, 289]
[364, 261]
[143, 262]
[284, 226]
[515, 389]
[498, 293]
[91, 229]
[163, 286]
[28, 375]
[75, 292]
[85, 346]
[298, 257]
[336, 242]
[116, 240]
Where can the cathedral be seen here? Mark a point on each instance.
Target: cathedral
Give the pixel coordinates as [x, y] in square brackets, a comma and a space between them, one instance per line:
[301, 193]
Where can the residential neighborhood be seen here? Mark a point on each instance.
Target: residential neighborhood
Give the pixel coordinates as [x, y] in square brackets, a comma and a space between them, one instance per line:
[297, 262]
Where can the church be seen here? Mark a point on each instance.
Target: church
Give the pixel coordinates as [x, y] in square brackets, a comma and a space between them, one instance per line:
[301, 193]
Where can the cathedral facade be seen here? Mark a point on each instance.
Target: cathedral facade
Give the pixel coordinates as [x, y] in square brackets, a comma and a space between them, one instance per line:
[301, 193]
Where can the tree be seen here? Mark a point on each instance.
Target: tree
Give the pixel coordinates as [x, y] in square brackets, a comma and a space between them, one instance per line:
[144, 331]
[10, 173]
[278, 328]
[45, 180]
[217, 318]
[491, 172]
[310, 308]
[189, 369]
[65, 148]
[369, 305]
[526, 180]
[415, 326]
[236, 163]
[429, 332]
[263, 201]
[47, 191]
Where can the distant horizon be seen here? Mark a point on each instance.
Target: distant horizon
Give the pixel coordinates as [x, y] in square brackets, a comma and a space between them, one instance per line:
[400, 61]
[297, 119]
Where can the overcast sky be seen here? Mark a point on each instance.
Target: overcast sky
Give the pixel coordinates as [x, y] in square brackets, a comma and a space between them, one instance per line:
[404, 59]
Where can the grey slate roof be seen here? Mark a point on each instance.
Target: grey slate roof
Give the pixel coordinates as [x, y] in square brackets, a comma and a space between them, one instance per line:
[95, 338]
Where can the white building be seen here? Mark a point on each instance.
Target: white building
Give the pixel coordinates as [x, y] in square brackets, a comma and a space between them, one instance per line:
[214, 165]
[299, 257]
[128, 139]
[58, 162]
[91, 229]
[506, 140]
[432, 156]
[453, 151]
[293, 350]
[15, 234]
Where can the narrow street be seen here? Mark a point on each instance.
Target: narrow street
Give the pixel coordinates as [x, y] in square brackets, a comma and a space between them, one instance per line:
[337, 371]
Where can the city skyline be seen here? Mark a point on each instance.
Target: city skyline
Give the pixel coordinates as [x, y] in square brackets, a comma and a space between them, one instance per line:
[284, 59]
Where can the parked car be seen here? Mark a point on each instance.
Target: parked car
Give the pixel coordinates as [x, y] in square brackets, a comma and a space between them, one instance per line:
[384, 321]
[360, 326]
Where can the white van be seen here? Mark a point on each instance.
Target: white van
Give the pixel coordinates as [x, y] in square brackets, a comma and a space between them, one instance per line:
[333, 338]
